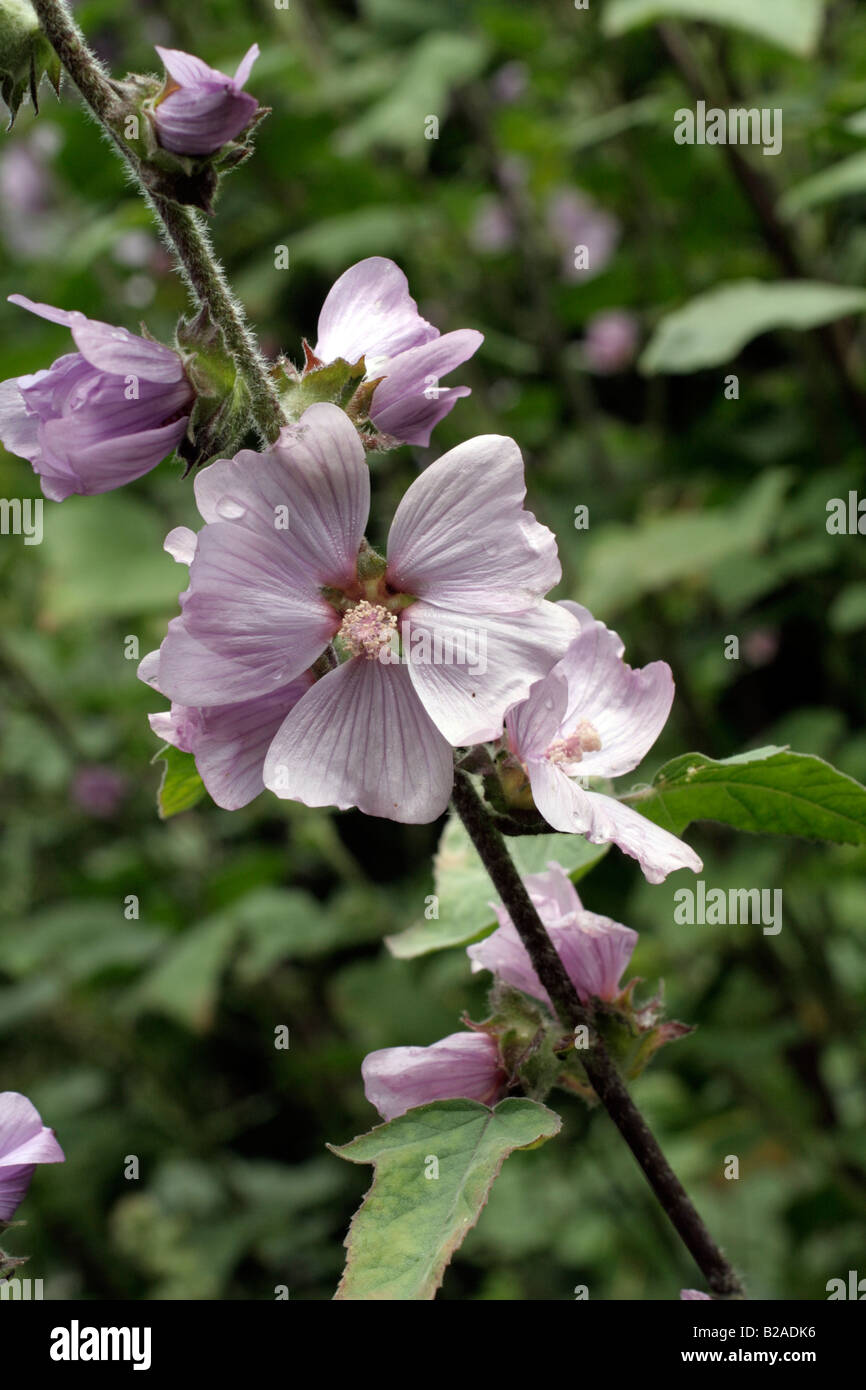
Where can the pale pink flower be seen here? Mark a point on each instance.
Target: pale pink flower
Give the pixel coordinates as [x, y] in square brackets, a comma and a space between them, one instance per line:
[593, 716]
[265, 602]
[595, 950]
[370, 313]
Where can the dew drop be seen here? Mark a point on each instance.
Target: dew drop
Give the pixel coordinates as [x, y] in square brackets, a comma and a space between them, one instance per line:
[230, 509]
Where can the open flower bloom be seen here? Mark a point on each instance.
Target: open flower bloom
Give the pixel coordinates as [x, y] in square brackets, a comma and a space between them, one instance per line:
[438, 641]
[24, 1142]
[595, 950]
[202, 109]
[593, 716]
[370, 313]
[99, 417]
[463, 1066]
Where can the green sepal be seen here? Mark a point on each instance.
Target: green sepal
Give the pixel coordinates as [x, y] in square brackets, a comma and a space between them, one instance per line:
[26, 56]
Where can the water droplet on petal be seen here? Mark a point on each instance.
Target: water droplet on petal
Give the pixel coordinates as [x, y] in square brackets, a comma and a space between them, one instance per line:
[230, 509]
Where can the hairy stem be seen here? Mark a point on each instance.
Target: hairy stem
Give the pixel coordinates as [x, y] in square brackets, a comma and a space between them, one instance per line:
[182, 226]
[600, 1069]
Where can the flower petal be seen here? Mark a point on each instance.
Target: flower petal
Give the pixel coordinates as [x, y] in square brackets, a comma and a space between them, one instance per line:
[251, 622]
[19, 428]
[318, 471]
[461, 1066]
[460, 535]
[569, 807]
[370, 313]
[627, 707]
[468, 668]
[375, 747]
[110, 348]
[23, 1137]
[410, 401]
[533, 724]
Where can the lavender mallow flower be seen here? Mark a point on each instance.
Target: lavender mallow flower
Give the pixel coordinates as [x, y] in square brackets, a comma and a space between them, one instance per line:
[595, 950]
[370, 313]
[98, 417]
[202, 109]
[463, 1066]
[436, 642]
[24, 1142]
[593, 716]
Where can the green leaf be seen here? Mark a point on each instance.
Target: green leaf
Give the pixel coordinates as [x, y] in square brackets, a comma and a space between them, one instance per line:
[464, 890]
[185, 984]
[622, 563]
[181, 787]
[770, 791]
[846, 177]
[792, 24]
[437, 64]
[409, 1225]
[104, 556]
[713, 328]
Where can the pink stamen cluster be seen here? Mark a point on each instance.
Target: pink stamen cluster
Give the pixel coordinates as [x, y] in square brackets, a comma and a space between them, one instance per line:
[368, 629]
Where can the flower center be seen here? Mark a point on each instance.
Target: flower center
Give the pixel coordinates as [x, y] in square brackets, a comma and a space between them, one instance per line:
[584, 738]
[367, 629]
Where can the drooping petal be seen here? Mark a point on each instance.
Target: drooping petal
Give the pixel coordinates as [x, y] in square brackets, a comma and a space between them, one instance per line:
[370, 313]
[628, 708]
[569, 807]
[461, 1066]
[410, 401]
[461, 538]
[317, 470]
[361, 737]
[468, 668]
[110, 348]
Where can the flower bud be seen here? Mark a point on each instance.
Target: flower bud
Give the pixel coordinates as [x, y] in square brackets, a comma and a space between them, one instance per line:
[201, 109]
[461, 1066]
[99, 417]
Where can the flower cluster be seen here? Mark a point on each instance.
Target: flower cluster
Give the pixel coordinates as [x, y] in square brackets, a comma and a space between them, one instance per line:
[505, 1050]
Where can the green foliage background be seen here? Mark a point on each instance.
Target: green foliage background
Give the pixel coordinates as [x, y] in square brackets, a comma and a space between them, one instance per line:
[154, 1037]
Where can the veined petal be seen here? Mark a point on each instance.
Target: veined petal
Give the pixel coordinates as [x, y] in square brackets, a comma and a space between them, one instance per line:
[410, 401]
[360, 737]
[628, 708]
[23, 1137]
[101, 467]
[318, 472]
[469, 668]
[370, 313]
[461, 538]
[569, 807]
[255, 622]
[19, 427]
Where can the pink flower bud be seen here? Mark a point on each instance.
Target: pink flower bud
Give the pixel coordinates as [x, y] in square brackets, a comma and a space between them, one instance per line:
[461, 1066]
[99, 417]
[202, 109]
